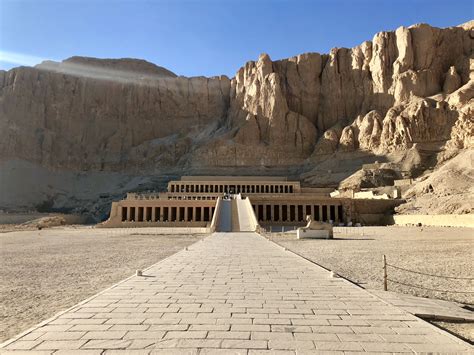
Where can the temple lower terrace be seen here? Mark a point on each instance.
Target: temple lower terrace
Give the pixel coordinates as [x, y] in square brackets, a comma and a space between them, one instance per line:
[194, 200]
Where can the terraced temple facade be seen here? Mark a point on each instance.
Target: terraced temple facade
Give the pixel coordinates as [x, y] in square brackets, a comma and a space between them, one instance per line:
[192, 202]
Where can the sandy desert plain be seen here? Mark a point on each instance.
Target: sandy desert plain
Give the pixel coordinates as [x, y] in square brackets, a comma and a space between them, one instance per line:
[46, 271]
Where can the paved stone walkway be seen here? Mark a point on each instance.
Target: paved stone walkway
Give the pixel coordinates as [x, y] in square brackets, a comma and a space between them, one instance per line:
[234, 293]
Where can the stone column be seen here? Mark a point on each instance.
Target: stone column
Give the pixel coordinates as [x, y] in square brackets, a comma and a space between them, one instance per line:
[178, 214]
[265, 212]
[336, 214]
[153, 211]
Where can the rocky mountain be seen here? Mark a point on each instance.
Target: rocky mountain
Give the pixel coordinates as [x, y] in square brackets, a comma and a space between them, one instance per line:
[406, 93]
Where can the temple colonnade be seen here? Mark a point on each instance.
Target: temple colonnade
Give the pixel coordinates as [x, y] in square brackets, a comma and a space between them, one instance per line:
[296, 212]
[244, 188]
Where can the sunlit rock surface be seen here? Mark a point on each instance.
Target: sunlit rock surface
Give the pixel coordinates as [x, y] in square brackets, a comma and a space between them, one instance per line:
[412, 86]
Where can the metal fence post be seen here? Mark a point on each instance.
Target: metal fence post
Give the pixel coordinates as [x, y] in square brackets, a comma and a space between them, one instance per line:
[384, 272]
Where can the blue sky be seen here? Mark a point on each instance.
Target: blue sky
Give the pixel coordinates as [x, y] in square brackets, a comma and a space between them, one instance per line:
[204, 37]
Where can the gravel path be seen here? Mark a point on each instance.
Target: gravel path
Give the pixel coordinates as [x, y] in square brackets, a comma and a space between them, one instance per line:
[44, 272]
[357, 255]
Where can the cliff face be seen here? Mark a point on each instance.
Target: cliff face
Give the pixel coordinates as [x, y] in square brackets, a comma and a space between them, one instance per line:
[104, 114]
[413, 86]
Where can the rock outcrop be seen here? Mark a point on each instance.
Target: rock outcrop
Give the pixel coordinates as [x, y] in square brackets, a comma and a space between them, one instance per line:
[411, 86]
[109, 116]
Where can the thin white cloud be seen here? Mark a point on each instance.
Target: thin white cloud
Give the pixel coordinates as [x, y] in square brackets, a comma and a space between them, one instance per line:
[141, 72]
[19, 59]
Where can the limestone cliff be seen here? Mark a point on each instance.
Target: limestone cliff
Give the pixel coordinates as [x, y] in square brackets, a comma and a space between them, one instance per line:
[413, 87]
[87, 113]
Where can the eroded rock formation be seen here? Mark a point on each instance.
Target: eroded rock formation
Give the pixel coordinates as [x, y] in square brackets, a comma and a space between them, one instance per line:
[411, 86]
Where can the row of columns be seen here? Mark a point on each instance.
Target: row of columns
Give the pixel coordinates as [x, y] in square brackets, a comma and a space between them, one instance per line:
[298, 213]
[239, 188]
[192, 197]
[167, 214]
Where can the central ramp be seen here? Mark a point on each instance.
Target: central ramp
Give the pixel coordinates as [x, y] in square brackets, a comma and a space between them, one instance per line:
[236, 215]
[239, 293]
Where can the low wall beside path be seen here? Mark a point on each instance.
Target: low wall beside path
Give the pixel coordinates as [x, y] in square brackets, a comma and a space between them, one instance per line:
[440, 220]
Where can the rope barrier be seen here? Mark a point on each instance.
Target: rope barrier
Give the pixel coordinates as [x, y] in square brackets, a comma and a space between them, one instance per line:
[422, 273]
[425, 288]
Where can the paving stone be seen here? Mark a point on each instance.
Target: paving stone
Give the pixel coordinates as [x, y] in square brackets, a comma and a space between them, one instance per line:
[271, 352]
[174, 352]
[55, 328]
[86, 321]
[138, 344]
[78, 352]
[107, 344]
[273, 321]
[149, 334]
[251, 327]
[189, 343]
[191, 334]
[125, 321]
[233, 321]
[89, 327]
[387, 347]
[309, 322]
[332, 329]
[342, 346]
[228, 335]
[290, 345]
[73, 315]
[235, 294]
[107, 334]
[62, 335]
[436, 348]
[244, 344]
[272, 336]
[32, 336]
[61, 344]
[223, 352]
[129, 327]
[316, 336]
[25, 352]
[361, 337]
[23, 344]
[126, 352]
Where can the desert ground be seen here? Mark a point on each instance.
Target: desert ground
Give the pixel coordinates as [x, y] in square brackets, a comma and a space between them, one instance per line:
[356, 253]
[44, 272]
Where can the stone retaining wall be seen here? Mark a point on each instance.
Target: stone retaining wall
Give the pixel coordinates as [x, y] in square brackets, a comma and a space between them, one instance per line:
[441, 220]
